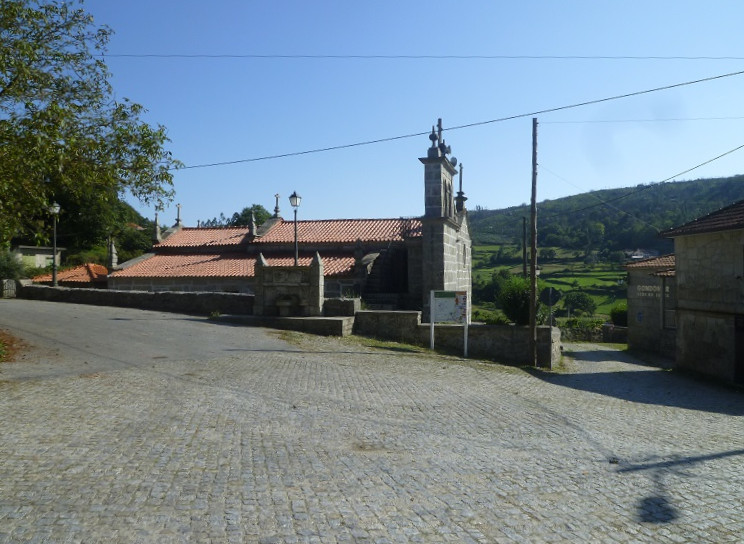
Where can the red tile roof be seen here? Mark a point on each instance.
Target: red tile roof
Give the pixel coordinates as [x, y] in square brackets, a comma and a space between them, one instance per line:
[728, 218]
[224, 265]
[85, 273]
[343, 231]
[328, 231]
[209, 237]
[665, 261]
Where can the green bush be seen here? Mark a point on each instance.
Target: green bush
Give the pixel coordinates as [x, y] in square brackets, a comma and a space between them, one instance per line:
[619, 314]
[583, 324]
[10, 267]
[515, 300]
[490, 317]
[578, 300]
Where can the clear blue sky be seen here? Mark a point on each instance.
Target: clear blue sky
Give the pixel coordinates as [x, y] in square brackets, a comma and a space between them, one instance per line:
[230, 109]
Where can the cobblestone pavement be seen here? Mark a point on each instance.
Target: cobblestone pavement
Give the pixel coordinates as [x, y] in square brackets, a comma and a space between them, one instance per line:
[324, 440]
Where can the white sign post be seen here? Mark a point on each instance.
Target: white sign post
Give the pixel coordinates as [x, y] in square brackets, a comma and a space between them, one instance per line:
[449, 306]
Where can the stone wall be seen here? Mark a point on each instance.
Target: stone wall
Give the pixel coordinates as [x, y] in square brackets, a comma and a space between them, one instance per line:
[651, 313]
[502, 343]
[194, 303]
[341, 306]
[706, 344]
[226, 285]
[289, 290]
[710, 299]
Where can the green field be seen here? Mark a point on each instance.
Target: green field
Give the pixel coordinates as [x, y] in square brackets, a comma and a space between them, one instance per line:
[604, 282]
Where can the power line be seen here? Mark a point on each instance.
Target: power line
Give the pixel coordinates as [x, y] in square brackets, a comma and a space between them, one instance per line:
[644, 188]
[460, 127]
[411, 57]
[665, 120]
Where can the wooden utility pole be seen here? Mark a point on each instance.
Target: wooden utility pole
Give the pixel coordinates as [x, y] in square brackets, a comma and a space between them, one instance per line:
[533, 249]
[524, 247]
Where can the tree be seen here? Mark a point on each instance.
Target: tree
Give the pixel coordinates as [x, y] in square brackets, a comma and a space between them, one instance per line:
[64, 137]
[579, 300]
[239, 219]
[515, 299]
[243, 218]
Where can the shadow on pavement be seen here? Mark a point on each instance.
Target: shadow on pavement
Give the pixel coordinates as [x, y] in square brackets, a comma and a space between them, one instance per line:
[658, 507]
[651, 387]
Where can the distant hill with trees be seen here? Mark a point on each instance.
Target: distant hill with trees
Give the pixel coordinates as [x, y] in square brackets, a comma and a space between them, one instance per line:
[612, 219]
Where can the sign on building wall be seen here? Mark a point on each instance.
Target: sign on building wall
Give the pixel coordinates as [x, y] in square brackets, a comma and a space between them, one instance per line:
[449, 307]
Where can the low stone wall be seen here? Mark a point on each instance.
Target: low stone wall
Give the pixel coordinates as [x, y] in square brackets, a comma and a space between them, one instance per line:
[195, 303]
[502, 343]
[341, 306]
[614, 334]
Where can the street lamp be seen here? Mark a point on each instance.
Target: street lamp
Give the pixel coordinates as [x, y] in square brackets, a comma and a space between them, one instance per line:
[294, 201]
[54, 208]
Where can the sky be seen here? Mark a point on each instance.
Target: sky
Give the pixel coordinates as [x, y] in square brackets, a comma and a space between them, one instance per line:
[239, 80]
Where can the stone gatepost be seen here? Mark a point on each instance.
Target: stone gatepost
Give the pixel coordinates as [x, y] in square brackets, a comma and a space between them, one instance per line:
[316, 289]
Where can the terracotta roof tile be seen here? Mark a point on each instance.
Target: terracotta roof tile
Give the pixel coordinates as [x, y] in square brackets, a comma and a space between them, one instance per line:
[343, 231]
[85, 273]
[665, 261]
[209, 237]
[224, 265]
[728, 218]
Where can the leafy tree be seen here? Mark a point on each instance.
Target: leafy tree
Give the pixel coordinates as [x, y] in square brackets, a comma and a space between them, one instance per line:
[10, 267]
[244, 217]
[515, 300]
[547, 254]
[239, 219]
[65, 138]
[579, 300]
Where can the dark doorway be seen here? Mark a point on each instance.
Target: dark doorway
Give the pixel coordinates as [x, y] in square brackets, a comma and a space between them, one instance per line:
[739, 352]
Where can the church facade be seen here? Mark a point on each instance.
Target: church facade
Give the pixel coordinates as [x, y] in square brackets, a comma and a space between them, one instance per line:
[390, 263]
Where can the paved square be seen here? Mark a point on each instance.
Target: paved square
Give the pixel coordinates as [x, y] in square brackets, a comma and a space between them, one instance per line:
[331, 441]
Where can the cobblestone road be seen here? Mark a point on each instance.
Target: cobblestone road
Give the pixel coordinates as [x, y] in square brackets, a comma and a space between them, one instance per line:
[324, 440]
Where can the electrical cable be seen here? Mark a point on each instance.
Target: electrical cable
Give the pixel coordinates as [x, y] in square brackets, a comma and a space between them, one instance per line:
[460, 127]
[411, 57]
[645, 187]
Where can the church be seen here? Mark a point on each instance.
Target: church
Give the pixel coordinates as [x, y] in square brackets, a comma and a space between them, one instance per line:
[389, 263]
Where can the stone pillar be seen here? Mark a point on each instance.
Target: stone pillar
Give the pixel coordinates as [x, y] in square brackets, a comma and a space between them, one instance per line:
[259, 300]
[316, 294]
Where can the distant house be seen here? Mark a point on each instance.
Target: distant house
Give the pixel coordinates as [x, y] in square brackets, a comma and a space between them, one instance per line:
[85, 275]
[652, 305]
[37, 256]
[709, 268]
[390, 262]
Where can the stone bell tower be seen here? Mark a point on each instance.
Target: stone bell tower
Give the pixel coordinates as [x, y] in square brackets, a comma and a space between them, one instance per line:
[446, 251]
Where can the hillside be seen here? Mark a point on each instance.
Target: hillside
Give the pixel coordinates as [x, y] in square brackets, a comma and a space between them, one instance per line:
[612, 219]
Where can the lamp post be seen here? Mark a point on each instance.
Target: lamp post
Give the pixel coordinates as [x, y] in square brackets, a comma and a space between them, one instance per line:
[54, 208]
[294, 201]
